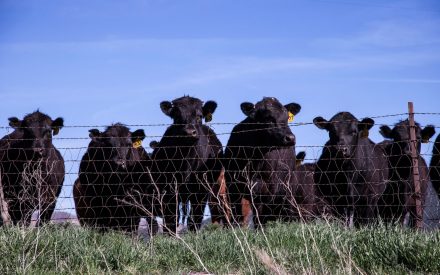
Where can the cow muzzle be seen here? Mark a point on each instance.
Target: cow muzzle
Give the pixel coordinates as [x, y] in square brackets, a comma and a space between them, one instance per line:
[289, 140]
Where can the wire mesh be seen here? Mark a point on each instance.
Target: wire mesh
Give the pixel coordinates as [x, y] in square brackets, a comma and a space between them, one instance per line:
[112, 180]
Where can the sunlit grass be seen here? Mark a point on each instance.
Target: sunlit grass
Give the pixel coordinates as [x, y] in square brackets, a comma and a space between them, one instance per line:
[291, 248]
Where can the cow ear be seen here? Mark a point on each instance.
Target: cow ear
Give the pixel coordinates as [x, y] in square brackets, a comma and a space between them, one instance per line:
[137, 135]
[321, 123]
[166, 107]
[94, 134]
[14, 122]
[386, 131]
[364, 126]
[366, 123]
[300, 158]
[57, 124]
[293, 108]
[208, 110]
[154, 144]
[427, 133]
[247, 108]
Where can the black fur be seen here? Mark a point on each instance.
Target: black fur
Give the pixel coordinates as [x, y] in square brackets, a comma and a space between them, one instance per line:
[398, 201]
[186, 161]
[111, 178]
[30, 145]
[351, 172]
[434, 172]
[260, 163]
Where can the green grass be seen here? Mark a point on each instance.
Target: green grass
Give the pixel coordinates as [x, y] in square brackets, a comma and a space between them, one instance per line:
[292, 248]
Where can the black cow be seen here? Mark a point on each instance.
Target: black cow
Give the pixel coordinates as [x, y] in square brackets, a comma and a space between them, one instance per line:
[351, 173]
[186, 161]
[313, 204]
[113, 179]
[434, 171]
[399, 198]
[260, 163]
[32, 169]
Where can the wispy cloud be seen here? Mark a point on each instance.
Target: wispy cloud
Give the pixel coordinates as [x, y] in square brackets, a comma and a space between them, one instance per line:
[245, 66]
[116, 44]
[405, 80]
[389, 34]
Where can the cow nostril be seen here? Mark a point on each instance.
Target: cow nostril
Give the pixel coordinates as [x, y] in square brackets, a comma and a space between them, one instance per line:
[192, 133]
[289, 139]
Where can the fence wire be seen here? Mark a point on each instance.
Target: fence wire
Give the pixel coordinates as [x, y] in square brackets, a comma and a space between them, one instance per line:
[184, 182]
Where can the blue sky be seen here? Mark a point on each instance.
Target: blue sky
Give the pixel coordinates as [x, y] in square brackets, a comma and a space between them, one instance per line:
[98, 62]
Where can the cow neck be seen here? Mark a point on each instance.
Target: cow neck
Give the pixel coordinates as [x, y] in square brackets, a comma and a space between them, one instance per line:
[364, 150]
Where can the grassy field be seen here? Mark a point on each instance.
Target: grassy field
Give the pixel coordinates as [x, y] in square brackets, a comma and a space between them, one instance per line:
[283, 248]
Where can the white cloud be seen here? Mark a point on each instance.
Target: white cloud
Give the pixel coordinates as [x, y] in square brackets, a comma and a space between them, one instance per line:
[389, 34]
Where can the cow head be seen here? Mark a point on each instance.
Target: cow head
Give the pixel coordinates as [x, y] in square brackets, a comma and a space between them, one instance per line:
[116, 143]
[344, 132]
[187, 114]
[270, 120]
[37, 129]
[400, 136]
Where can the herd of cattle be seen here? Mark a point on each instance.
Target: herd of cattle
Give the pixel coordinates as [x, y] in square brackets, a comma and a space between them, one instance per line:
[258, 177]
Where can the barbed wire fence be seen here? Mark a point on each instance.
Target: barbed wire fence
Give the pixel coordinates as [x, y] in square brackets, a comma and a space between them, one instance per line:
[119, 197]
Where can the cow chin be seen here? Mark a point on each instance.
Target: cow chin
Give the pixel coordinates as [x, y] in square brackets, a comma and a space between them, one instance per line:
[289, 143]
[38, 154]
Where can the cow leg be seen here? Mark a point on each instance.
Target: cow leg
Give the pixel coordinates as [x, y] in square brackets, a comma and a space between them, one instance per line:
[153, 226]
[15, 213]
[246, 211]
[264, 213]
[371, 212]
[46, 214]
[219, 205]
[170, 221]
[198, 205]
[170, 210]
[406, 219]
[235, 195]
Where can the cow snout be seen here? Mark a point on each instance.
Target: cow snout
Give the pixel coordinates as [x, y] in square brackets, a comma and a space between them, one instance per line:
[289, 140]
[39, 151]
[121, 163]
[345, 150]
[191, 132]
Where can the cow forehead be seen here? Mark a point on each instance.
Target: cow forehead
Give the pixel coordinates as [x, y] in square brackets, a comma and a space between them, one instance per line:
[37, 119]
[343, 117]
[187, 101]
[269, 103]
[345, 126]
[344, 121]
[117, 131]
[402, 128]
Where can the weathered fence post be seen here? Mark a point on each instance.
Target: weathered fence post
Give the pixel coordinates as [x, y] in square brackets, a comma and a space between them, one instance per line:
[4, 211]
[415, 166]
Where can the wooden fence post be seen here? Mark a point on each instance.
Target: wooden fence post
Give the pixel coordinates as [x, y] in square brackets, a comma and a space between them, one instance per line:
[4, 211]
[415, 167]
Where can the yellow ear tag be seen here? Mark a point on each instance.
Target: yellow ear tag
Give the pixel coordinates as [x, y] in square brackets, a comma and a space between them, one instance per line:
[137, 143]
[291, 116]
[208, 117]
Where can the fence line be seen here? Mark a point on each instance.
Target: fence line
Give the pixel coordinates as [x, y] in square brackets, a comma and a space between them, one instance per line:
[293, 205]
